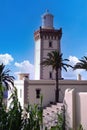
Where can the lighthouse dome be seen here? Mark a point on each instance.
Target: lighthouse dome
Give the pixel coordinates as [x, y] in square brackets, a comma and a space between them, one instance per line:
[47, 20]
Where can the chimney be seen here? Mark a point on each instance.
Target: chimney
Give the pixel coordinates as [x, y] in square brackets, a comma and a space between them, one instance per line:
[22, 76]
[79, 77]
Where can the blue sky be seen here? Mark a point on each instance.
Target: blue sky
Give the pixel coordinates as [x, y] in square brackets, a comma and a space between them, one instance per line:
[20, 18]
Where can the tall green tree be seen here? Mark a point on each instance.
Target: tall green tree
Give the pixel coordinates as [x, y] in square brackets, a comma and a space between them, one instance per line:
[82, 64]
[5, 81]
[55, 60]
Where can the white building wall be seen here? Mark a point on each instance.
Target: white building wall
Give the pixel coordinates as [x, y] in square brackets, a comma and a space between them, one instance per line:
[69, 103]
[19, 84]
[75, 109]
[81, 109]
[20, 90]
[79, 85]
[37, 59]
[47, 91]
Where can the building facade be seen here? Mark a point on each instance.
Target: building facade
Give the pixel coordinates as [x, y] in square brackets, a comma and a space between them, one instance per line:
[47, 39]
[29, 91]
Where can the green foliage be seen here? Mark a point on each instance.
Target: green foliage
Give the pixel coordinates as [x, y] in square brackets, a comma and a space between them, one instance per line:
[15, 121]
[3, 118]
[15, 118]
[80, 127]
[5, 78]
[31, 119]
[11, 119]
[60, 123]
[1, 94]
[82, 64]
[35, 114]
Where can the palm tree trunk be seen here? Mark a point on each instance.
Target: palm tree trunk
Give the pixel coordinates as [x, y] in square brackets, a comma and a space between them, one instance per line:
[57, 87]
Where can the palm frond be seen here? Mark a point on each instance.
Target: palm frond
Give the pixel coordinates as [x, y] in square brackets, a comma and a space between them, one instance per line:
[55, 60]
[82, 64]
[5, 78]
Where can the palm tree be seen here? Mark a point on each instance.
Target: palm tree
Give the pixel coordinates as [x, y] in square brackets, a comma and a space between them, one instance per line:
[5, 78]
[5, 81]
[82, 64]
[55, 60]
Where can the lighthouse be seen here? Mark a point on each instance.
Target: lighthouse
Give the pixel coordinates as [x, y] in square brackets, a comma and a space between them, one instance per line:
[47, 39]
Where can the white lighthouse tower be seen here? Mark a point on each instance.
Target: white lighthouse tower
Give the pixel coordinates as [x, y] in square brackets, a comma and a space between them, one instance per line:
[47, 39]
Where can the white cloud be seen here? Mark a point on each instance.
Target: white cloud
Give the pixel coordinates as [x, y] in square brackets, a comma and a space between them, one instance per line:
[72, 74]
[73, 60]
[25, 67]
[6, 59]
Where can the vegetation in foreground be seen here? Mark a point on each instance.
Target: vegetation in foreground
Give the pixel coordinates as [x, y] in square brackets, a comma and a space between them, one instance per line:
[15, 118]
[30, 119]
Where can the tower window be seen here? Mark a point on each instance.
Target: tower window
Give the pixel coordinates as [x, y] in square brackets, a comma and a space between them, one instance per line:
[38, 93]
[50, 75]
[50, 44]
